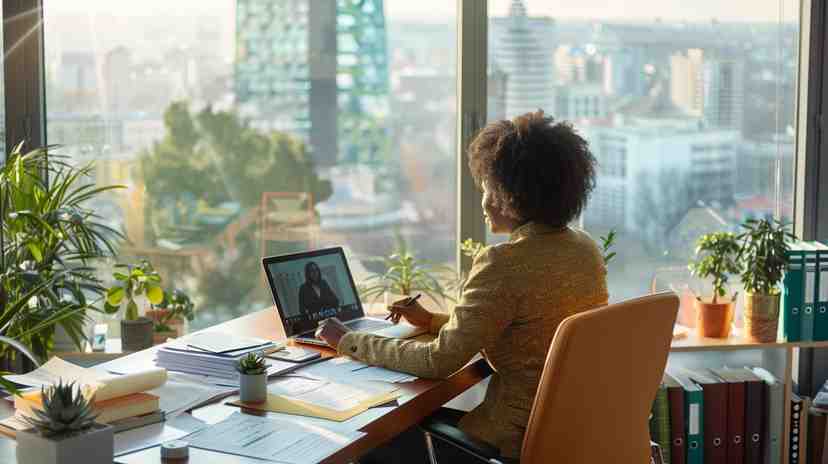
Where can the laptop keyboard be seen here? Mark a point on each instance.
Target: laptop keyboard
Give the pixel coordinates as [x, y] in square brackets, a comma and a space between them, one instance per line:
[366, 324]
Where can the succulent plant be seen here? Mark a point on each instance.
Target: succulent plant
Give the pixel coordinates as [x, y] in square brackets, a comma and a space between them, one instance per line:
[65, 411]
[252, 364]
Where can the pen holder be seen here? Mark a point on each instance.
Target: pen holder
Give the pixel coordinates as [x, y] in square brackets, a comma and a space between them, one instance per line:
[252, 388]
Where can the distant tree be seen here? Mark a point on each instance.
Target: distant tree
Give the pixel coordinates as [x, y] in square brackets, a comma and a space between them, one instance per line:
[216, 156]
[664, 198]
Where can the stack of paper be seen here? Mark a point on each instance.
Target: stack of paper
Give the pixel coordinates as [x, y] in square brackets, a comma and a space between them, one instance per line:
[197, 356]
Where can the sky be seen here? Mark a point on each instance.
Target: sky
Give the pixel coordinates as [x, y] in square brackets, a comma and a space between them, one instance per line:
[446, 10]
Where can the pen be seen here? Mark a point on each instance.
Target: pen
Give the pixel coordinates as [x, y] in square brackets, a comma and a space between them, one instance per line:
[410, 302]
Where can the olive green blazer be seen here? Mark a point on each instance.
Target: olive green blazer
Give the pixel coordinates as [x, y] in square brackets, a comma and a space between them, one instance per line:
[515, 296]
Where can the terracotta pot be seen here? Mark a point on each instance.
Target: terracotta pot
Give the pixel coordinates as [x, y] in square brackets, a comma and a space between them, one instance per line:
[161, 337]
[761, 317]
[714, 320]
[176, 324]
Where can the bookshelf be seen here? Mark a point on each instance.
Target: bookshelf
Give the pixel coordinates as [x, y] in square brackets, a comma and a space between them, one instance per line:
[778, 357]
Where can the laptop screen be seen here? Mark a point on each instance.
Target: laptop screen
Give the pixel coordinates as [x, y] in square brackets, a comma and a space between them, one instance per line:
[310, 287]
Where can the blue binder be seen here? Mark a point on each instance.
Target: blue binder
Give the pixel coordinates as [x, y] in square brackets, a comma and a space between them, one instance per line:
[792, 290]
[821, 308]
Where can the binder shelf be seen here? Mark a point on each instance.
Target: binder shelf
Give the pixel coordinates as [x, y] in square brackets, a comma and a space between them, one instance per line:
[735, 351]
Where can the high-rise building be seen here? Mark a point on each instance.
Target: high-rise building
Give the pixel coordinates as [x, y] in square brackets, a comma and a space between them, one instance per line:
[687, 81]
[318, 69]
[724, 90]
[527, 63]
[708, 86]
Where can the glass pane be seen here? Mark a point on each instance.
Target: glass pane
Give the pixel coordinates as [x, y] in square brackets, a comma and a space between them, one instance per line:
[688, 109]
[252, 128]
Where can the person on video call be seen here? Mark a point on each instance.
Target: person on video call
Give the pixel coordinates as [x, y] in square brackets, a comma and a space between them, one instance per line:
[315, 294]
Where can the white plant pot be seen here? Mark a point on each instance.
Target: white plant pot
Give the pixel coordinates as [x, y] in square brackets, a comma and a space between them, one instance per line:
[252, 388]
[96, 446]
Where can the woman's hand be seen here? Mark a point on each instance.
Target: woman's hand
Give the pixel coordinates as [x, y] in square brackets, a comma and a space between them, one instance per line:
[331, 331]
[414, 314]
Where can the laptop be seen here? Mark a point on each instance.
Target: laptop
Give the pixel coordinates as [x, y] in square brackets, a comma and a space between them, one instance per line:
[312, 286]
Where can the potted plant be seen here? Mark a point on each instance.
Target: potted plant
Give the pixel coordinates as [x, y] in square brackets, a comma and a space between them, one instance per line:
[64, 430]
[168, 317]
[132, 281]
[607, 242]
[252, 378]
[762, 255]
[716, 259]
[52, 237]
[405, 275]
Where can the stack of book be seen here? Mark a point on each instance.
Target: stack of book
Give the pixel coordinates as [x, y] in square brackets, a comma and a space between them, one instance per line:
[718, 416]
[213, 354]
[805, 293]
[119, 401]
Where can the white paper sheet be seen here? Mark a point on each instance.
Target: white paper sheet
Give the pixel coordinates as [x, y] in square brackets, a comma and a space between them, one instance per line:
[54, 370]
[345, 369]
[272, 439]
[105, 386]
[155, 434]
[182, 392]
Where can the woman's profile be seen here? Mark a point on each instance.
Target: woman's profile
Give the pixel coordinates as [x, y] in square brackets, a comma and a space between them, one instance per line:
[315, 294]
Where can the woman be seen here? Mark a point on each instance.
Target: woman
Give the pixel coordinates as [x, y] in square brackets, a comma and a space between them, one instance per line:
[315, 294]
[536, 177]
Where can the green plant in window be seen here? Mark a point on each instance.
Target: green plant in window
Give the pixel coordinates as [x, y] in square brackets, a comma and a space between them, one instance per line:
[175, 305]
[52, 238]
[762, 254]
[405, 275]
[132, 281]
[717, 259]
[607, 242]
[471, 248]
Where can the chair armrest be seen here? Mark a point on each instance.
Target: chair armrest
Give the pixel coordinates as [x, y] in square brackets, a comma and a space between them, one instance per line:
[461, 440]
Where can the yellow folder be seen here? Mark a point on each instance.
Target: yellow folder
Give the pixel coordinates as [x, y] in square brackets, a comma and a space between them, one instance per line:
[278, 403]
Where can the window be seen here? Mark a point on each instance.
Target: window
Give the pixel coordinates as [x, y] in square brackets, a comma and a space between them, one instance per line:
[258, 127]
[690, 113]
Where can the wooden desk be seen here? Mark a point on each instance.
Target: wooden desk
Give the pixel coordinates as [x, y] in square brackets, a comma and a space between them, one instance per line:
[420, 398]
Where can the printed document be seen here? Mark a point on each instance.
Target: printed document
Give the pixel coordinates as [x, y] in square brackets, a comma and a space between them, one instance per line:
[272, 439]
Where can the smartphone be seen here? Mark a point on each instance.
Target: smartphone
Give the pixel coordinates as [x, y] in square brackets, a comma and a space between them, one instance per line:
[294, 354]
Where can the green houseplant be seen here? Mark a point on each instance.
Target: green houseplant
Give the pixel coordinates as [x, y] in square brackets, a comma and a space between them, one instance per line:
[64, 429]
[133, 281]
[716, 259]
[405, 275]
[607, 242]
[52, 238]
[762, 255]
[252, 378]
[168, 317]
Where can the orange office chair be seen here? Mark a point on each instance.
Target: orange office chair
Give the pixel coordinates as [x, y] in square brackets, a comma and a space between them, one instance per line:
[593, 401]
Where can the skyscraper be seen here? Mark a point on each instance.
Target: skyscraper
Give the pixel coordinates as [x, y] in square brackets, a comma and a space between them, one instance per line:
[708, 86]
[318, 69]
[527, 64]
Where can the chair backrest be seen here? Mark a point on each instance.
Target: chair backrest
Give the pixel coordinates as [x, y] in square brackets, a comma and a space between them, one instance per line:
[601, 376]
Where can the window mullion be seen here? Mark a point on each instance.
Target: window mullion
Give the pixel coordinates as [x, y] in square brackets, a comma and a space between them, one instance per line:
[472, 23]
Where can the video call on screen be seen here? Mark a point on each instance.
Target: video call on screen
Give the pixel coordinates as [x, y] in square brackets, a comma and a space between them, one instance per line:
[312, 289]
